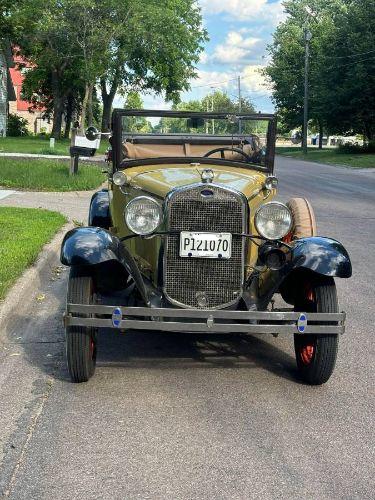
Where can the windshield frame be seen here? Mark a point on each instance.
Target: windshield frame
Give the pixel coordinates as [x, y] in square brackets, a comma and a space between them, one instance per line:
[118, 162]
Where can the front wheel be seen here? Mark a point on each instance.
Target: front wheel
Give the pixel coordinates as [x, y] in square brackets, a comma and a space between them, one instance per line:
[80, 340]
[316, 354]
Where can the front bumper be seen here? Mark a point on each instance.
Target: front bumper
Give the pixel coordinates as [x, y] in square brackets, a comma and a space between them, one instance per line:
[204, 321]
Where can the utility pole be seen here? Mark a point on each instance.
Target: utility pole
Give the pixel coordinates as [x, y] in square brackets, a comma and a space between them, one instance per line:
[239, 105]
[307, 36]
[207, 119]
[212, 109]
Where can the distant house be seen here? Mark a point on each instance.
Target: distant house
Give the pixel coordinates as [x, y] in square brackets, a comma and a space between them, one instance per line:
[35, 118]
[7, 93]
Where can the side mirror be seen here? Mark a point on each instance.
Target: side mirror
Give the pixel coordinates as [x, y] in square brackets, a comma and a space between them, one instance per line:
[92, 134]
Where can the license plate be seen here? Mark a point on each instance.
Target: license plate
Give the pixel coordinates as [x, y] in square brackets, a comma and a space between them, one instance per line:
[206, 245]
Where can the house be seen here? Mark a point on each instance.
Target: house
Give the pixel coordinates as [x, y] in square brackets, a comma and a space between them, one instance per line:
[35, 118]
[7, 93]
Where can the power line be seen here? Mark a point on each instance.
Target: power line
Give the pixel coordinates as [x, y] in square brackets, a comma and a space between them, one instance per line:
[212, 84]
[328, 68]
[250, 96]
[352, 55]
[217, 84]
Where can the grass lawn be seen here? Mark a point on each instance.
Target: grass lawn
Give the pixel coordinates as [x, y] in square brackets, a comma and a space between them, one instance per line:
[48, 175]
[23, 232]
[331, 156]
[40, 145]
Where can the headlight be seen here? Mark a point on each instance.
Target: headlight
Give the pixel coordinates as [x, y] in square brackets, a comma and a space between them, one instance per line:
[273, 220]
[143, 215]
[119, 178]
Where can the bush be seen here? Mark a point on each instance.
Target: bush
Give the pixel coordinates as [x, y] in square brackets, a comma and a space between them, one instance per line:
[356, 149]
[17, 126]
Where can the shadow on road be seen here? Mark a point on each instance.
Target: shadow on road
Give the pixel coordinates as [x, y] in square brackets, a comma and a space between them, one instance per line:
[181, 351]
[40, 334]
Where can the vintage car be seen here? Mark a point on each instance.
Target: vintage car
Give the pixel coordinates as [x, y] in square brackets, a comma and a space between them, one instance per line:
[187, 239]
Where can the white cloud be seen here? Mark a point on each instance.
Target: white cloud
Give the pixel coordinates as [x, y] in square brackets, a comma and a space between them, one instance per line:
[254, 81]
[203, 58]
[215, 79]
[237, 49]
[243, 10]
[150, 101]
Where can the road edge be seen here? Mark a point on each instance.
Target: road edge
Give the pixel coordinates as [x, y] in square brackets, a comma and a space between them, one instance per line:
[335, 165]
[22, 290]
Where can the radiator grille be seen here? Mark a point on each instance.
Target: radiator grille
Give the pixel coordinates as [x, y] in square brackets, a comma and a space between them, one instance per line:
[219, 280]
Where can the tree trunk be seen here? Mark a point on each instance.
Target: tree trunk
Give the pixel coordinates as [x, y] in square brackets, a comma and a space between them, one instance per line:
[321, 132]
[107, 98]
[369, 132]
[69, 115]
[89, 112]
[84, 106]
[58, 105]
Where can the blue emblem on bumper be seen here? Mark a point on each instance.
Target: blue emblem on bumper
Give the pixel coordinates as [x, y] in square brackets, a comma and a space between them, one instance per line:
[116, 317]
[302, 323]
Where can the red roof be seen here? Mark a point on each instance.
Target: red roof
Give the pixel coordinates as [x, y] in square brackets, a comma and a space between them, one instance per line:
[17, 80]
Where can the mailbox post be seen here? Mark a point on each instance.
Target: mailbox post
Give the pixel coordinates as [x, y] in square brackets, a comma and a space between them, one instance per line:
[73, 158]
[80, 146]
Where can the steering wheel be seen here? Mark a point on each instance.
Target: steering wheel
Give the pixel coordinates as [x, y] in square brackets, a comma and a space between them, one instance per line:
[221, 150]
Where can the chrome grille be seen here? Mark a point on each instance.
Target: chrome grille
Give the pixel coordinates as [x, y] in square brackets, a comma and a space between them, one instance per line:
[219, 280]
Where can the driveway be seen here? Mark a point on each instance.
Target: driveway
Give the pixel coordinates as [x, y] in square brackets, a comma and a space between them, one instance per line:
[186, 417]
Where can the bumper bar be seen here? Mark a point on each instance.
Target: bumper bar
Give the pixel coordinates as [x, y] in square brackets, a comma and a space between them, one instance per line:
[204, 321]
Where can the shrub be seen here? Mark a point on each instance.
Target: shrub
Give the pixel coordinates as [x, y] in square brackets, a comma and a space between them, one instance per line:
[17, 126]
[356, 149]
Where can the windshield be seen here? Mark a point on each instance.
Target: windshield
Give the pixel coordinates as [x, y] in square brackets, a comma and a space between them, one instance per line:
[145, 135]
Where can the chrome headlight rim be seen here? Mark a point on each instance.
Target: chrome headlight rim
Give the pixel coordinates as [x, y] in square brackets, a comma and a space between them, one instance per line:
[259, 209]
[148, 198]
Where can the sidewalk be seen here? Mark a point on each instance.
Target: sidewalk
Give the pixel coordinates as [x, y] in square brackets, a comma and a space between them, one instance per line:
[73, 204]
[92, 159]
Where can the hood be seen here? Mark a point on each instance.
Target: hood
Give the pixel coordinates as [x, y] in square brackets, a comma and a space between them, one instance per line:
[160, 179]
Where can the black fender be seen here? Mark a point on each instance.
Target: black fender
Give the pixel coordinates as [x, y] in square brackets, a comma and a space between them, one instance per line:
[316, 255]
[323, 256]
[99, 215]
[98, 248]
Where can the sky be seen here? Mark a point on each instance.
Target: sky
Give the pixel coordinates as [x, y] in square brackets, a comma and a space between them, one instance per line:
[239, 32]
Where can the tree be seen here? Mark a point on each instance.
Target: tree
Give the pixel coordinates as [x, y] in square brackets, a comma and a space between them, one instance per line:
[341, 78]
[46, 39]
[135, 123]
[146, 56]
[218, 101]
[124, 44]
[347, 70]
[286, 70]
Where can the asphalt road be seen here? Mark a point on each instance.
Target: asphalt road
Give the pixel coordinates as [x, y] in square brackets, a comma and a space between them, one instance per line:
[187, 417]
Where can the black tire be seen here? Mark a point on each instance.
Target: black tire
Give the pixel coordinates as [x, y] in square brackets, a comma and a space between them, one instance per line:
[80, 340]
[316, 354]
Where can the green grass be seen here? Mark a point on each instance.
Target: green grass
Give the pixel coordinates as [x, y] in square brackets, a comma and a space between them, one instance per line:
[47, 175]
[39, 145]
[23, 232]
[330, 156]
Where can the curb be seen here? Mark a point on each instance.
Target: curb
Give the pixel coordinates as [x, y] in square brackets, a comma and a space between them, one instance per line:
[22, 292]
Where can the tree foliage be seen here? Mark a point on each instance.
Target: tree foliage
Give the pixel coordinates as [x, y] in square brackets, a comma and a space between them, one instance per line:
[342, 64]
[16, 126]
[123, 44]
[218, 101]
